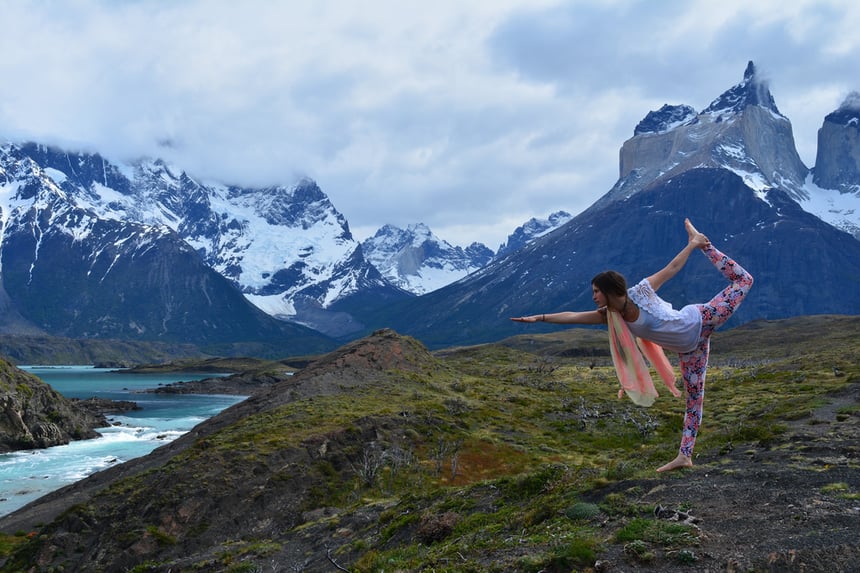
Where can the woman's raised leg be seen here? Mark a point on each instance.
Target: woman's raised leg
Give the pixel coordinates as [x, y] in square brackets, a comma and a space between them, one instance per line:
[720, 308]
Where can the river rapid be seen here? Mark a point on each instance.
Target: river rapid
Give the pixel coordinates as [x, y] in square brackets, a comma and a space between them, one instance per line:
[29, 474]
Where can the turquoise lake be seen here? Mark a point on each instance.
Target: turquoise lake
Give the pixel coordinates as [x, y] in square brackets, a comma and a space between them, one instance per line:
[29, 474]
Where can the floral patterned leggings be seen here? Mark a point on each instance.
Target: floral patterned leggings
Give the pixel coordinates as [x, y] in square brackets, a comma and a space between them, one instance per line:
[695, 364]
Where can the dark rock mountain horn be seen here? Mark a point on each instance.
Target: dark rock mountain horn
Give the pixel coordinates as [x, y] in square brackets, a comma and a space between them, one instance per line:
[732, 168]
[837, 163]
[91, 248]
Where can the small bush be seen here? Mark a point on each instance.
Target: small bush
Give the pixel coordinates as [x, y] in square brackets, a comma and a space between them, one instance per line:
[577, 553]
[640, 551]
[161, 537]
[582, 511]
[433, 528]
[664, 533]
[530, 485]
[617, 504]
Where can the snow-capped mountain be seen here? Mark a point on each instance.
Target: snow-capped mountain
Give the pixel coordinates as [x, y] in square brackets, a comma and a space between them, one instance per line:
[733, 169]
[287, 249]
[418, 261]
[531, 230]
[742, 131]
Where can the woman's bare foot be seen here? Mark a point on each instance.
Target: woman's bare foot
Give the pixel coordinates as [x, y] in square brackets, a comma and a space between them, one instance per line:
[680, 462]
[695, 237]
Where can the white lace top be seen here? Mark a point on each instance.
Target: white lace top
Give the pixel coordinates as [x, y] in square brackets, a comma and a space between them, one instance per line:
[675, 330]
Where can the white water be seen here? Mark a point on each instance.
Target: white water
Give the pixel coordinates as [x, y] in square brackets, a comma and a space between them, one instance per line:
[29, 474]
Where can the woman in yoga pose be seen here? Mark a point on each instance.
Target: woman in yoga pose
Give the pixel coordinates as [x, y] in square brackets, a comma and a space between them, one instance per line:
[686, 331]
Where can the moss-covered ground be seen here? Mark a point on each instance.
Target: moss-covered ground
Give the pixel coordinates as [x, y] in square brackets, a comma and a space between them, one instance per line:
[519, 456]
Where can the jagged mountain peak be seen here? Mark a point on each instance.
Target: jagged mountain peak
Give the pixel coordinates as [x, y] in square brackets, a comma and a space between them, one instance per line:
[834, 189]
[532, 229]
[752, 91]
[414, 233]
[418, 261]
[848, 113]
[741, 131]
[666, 118]
[75, 170]
[837, 162]
[302, 205]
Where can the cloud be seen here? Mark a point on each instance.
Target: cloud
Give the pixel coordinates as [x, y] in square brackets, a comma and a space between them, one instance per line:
[851, 102]
[470, 117]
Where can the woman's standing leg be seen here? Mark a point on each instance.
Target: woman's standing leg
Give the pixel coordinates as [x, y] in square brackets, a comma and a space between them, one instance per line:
[694, 365]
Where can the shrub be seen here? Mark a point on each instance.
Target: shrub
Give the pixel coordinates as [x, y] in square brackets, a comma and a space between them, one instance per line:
[582, 511]
[576, 553]
[161, 537]
[433, 528]
[639, 550]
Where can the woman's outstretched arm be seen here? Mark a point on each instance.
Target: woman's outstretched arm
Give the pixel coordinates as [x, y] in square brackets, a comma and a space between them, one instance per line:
[567, 317]
[696, 240]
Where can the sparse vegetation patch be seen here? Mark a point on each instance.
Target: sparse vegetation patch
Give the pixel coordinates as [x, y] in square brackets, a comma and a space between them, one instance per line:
[385, 457]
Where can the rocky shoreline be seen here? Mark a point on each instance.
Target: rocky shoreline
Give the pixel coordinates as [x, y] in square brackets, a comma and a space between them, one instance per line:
[34, 416]
[103, 406]
[243, 384]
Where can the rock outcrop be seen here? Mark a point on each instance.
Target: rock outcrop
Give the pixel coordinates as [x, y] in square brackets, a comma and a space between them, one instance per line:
[837, 162]
[34, 415]
[741, 130]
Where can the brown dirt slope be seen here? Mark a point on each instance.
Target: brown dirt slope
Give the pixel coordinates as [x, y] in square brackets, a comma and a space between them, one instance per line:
[789, 505]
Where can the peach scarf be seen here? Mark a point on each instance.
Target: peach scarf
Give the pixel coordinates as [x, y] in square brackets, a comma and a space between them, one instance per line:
[630, 364]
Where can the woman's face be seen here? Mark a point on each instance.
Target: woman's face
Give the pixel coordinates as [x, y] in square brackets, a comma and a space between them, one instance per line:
[597, 296]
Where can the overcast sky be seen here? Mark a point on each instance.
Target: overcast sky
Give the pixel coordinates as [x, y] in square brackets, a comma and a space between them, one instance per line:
[469, 116]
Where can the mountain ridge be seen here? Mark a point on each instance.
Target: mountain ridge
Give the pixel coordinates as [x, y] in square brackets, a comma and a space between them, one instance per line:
[418, 261]
[120, 279]
[286, 248]
[759, 218]
[291, 255]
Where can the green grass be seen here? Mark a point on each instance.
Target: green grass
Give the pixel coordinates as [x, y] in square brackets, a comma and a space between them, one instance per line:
[579, 436]
[664, 533]
[842, 490]
[490, 458]
[8, 543]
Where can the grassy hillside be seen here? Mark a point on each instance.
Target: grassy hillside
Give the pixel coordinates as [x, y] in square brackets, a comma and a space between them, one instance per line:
[515, 456]
[114, 353]
[25, 349]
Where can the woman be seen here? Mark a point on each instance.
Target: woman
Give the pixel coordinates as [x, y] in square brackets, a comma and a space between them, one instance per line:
[686, 331]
